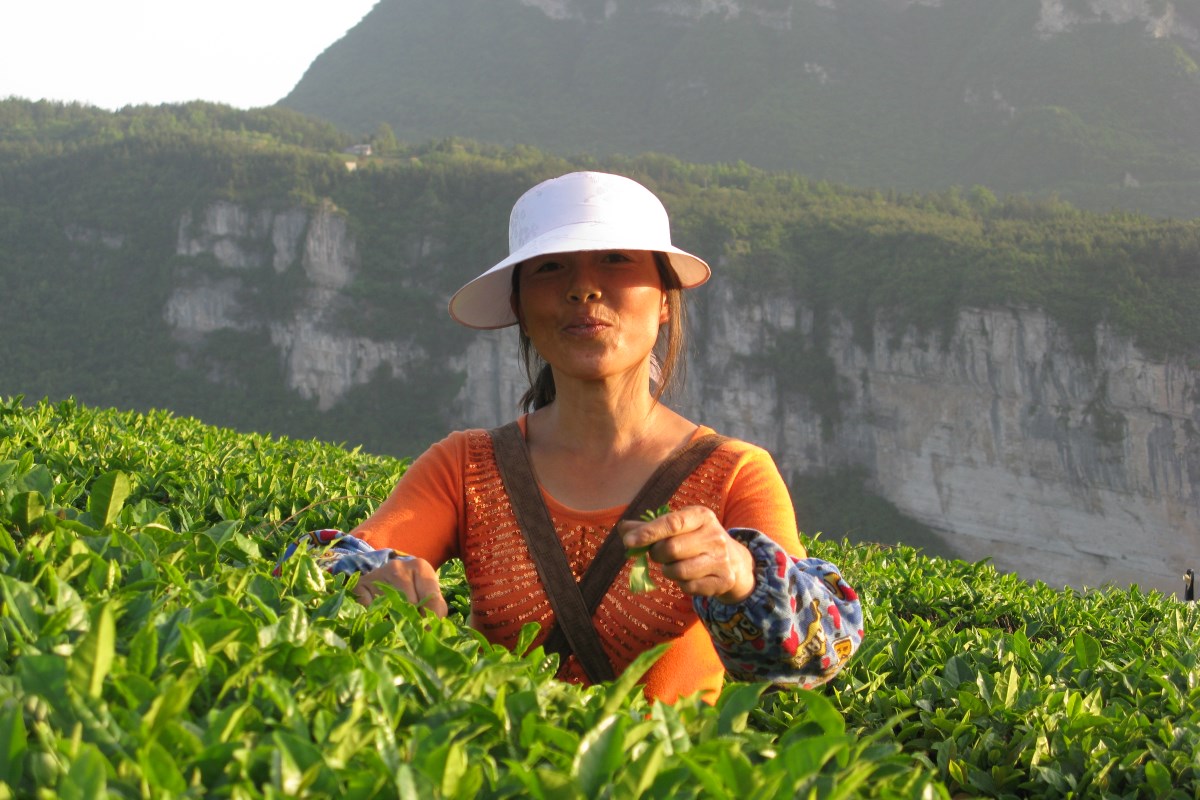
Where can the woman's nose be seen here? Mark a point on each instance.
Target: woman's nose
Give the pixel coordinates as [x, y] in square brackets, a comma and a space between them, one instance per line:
[580, 294]
[583, 287]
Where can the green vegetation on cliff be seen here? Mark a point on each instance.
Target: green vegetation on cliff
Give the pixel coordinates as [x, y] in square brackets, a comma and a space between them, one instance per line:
[146, 650]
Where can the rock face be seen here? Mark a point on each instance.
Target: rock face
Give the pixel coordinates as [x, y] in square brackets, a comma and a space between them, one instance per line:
[1076, 470]
[319, 361]
[1062, 468]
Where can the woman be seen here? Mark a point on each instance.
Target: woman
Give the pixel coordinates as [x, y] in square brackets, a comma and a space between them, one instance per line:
[594, 285]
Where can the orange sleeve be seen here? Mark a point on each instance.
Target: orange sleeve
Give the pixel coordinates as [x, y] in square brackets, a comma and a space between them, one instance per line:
[425, 512]
[758, 498]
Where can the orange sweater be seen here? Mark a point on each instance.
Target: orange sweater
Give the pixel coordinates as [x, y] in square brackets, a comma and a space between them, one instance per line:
[451, 504]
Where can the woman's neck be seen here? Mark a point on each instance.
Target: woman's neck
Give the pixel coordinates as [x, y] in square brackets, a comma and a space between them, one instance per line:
[596, 418]
[594, 450]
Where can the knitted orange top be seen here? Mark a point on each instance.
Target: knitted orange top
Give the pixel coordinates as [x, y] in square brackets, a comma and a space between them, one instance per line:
[451, 504]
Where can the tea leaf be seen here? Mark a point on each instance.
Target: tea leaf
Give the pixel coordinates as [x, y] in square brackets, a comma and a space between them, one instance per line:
[13, 743]
[656, 513]
[22, 605]
[86, 777]
[640, 581]
[601, 752]
[1158, 777]
[161, 770]
[93, 657]
[735, 705]
[143, 651]
[27, 509]
[1087, 650]
[107, 497]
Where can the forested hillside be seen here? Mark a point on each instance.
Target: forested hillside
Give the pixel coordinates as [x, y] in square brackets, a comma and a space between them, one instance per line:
[230, 265]
[1098, 102]
[92, 201]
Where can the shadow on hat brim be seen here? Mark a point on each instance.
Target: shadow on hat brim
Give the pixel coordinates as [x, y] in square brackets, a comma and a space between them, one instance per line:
[485, 302]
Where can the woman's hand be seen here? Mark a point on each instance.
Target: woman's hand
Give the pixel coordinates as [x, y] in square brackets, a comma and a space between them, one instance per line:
[413, 577]
[695, 552]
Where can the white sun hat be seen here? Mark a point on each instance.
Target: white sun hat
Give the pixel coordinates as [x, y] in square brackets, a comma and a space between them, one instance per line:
[574, 212]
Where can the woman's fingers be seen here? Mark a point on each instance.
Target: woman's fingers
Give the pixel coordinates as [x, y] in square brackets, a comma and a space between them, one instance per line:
[726, 571]
[695, 552]
[428, 591]
[361, 593]
[688, 519]
[415, 578]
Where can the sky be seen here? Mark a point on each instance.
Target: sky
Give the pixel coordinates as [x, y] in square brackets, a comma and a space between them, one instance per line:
[113, 53]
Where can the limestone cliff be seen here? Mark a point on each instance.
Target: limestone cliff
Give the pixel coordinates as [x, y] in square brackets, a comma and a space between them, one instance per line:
[1072, 469]
[320, 362]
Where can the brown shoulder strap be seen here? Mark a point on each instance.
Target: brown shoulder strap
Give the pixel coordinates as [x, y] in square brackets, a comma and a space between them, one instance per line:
[657, 491]
[512, 459]
[574, 603]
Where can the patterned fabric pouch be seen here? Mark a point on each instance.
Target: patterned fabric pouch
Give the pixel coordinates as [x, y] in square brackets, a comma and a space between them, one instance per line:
[799, 626]
[338, 553]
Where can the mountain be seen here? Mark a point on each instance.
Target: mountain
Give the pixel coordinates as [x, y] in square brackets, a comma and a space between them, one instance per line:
[1097, 101]
[988, 378]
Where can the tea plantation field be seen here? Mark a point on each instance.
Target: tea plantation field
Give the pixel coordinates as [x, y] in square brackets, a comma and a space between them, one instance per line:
[147, 651]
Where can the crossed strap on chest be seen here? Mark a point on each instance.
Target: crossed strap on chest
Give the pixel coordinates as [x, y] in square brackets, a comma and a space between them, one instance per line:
[575, 602]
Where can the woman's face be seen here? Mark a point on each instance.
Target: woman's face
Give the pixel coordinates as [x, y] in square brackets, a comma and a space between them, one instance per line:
[594, 314]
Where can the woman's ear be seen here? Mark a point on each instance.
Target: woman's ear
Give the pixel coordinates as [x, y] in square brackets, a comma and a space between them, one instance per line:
[664, 312]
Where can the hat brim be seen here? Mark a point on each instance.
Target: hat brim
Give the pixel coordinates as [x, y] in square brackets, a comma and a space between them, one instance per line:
[485, 302]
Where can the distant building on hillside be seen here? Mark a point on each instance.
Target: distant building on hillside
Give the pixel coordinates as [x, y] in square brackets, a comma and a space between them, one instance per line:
[358, 150]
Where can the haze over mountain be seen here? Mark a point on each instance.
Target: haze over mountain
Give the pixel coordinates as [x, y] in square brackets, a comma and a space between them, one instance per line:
[1097, 100]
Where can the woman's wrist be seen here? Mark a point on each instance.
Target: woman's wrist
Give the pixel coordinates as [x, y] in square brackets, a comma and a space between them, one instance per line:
[743, 574]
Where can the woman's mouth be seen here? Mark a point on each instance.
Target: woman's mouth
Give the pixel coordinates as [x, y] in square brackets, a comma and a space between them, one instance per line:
[585, 326]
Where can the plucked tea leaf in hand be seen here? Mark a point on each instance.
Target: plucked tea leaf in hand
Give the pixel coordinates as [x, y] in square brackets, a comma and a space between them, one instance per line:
[640, 581]
[656, 513]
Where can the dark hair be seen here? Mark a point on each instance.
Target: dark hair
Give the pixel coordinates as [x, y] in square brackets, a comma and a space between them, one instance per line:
[671, 342]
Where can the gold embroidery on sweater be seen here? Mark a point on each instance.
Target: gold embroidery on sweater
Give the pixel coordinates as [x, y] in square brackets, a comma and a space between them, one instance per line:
[506, 592]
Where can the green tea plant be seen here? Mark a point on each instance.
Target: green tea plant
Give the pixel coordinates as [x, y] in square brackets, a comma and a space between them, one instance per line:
[146, 650]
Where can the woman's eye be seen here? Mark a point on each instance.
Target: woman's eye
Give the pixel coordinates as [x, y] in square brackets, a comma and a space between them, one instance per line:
[616, 258]
[548, 266]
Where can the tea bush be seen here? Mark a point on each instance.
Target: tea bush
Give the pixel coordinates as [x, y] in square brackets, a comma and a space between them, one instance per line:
[146, 650]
